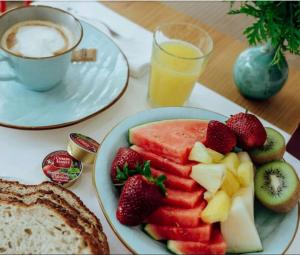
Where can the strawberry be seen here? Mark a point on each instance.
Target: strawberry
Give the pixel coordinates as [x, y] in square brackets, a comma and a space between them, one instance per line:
[125, 158]
[248, 129]
[140, 197]
[219, 137]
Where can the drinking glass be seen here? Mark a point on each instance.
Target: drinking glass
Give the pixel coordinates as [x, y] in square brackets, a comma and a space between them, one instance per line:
[179, 55]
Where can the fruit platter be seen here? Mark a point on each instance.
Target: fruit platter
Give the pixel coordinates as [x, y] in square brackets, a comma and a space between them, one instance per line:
[191, 181]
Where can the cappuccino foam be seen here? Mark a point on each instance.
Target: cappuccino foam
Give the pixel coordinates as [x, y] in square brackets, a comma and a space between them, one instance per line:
[37, 38]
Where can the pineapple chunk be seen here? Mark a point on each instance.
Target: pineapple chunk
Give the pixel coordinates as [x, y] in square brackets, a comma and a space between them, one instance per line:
[232, 162]
[208, 195]
[216, 156]
[199, 153]
[217, 208]
[245, 174]
[244, 157]
[231, 184]
[209, 176]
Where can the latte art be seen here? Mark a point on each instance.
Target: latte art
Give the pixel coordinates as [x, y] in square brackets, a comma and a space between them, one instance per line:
[37, 38]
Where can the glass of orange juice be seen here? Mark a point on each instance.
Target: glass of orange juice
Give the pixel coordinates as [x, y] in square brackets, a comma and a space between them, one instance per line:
[179, 55]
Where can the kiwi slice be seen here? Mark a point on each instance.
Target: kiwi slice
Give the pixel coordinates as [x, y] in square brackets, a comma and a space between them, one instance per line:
[277, 186]
[273, 149]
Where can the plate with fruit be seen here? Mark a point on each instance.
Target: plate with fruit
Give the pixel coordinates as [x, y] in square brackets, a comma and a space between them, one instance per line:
[191, 181]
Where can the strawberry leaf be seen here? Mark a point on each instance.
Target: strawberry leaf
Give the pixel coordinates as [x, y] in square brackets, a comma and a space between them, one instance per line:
[125, 173]
[121, 176]
[146, 169]
[125, 169]
[159, 181]
[131, 172]
[139, 169]
[143, 169]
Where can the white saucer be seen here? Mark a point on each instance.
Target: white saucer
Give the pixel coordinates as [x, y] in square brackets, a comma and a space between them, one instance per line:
[87, 89]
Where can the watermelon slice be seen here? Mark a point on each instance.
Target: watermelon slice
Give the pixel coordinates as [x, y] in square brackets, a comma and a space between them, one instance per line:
[180, 217]
[172, 139]
[216, 246]
[176, 182]
[178, 198]
[217, 243]
[188, 247]
[163, 163]
[197, 234]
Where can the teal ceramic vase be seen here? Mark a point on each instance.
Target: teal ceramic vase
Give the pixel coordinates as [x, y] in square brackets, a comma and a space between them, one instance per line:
[255, 75]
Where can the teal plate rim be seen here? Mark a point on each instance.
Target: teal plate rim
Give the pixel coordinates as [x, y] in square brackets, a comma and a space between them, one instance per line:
[128, 247]
[65, 124]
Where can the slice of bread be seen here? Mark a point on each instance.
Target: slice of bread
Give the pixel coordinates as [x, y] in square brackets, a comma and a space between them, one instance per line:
[41, 228]
[70, 197]
[57, 200]
[63, 197]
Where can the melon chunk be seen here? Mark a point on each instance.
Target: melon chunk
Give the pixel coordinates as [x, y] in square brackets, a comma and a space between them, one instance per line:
[216, 156]
[176, 182]
[179, 217]
[163, 163]
[239, 230]
[200, 154]
[209, 176]
[172, 139]
[197, 234]
[182, 199]
[247, 194]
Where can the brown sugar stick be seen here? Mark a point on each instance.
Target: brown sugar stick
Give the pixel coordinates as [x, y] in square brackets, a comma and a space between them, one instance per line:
[84, 55]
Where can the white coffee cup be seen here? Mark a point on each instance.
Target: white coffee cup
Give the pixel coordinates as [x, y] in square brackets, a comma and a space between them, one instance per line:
[39, 73]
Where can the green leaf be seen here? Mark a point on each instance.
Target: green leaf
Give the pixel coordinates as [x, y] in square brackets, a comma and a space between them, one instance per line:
[139, 168]
[160, 182]
[143, 169]
[63, 170]
[146, 169]
[121, 176]
[74, 170]
[125, 173]
[276, 21]
[132, 172]
[72, 176]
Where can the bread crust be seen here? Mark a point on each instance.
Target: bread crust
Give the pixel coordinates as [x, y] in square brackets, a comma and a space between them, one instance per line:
[76, 208]
[54, 186]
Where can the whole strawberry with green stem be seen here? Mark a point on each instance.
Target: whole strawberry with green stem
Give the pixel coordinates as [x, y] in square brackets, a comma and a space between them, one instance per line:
[248, 129]
[141, 195]
[126, 160]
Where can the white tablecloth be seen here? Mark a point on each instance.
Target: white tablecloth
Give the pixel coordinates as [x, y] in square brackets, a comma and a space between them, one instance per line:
[22, 152]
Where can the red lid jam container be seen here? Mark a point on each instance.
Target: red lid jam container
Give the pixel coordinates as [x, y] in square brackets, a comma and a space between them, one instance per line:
[62, 168]
[83, 148]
